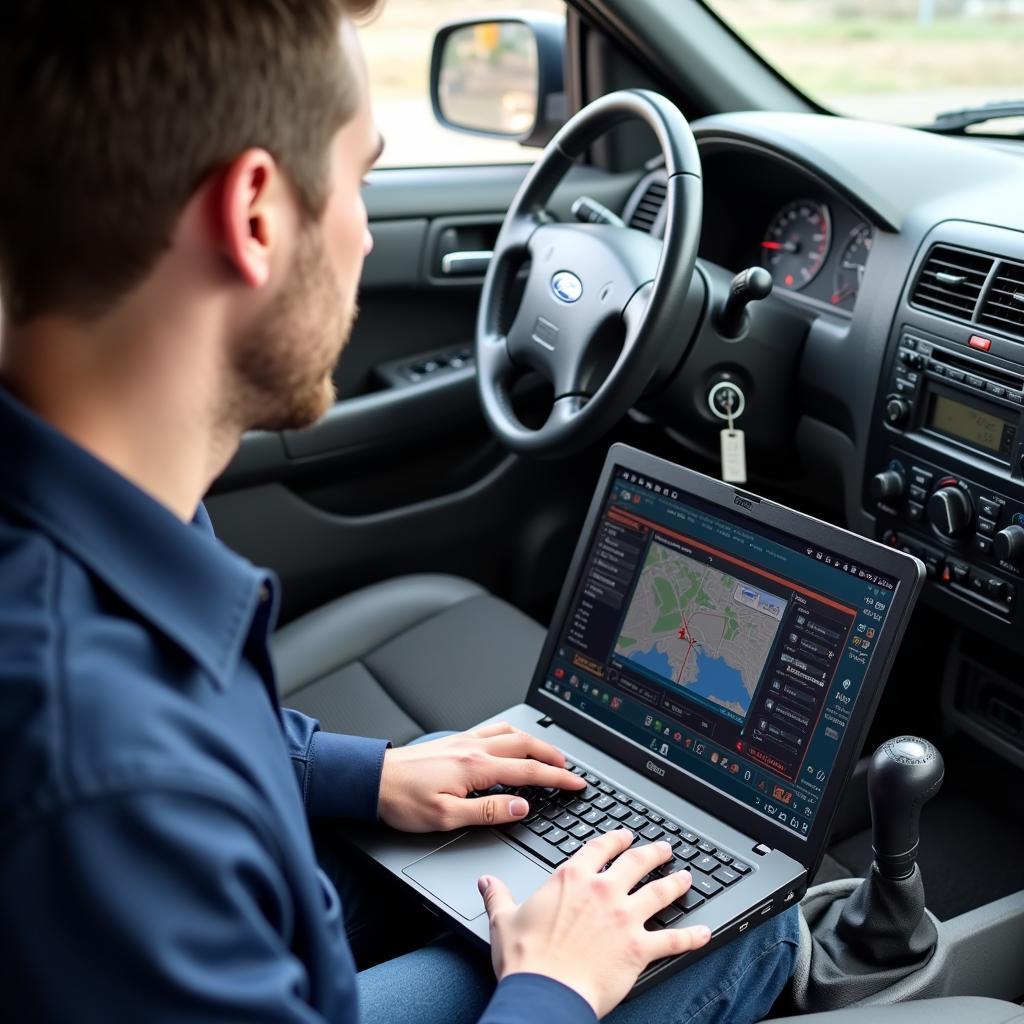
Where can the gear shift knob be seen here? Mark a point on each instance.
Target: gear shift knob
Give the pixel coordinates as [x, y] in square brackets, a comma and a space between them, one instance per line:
[905, 773]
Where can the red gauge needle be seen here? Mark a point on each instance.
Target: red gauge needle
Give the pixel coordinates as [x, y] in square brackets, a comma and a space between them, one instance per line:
[791, 246]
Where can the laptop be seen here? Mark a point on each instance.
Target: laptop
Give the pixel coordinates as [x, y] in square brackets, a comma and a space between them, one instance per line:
[712, 668]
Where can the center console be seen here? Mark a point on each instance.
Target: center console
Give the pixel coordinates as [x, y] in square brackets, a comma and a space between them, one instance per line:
[945, 476]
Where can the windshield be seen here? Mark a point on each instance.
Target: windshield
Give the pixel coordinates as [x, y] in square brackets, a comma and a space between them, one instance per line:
[902, 61]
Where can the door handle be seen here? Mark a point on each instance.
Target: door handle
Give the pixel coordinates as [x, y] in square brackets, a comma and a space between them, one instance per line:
[471, 263]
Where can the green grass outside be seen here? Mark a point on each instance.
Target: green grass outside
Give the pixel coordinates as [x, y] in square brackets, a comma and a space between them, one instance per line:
[840, 55]
[958, 30]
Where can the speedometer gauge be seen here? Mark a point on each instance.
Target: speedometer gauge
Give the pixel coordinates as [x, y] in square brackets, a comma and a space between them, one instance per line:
[850, 271]
[796, 243]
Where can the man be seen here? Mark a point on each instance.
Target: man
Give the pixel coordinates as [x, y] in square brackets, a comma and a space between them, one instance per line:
[181, 237]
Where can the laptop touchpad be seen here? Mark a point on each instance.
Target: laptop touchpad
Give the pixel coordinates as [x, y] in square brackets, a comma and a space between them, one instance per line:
[450, 874]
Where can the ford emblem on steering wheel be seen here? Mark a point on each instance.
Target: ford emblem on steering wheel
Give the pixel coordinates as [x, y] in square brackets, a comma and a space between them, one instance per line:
[566, 286]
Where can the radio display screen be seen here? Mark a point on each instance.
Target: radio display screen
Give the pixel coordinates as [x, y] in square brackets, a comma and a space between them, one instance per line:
[974, 426]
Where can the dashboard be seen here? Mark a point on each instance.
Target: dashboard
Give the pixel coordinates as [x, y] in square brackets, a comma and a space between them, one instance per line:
[882, 381]
[761, 210]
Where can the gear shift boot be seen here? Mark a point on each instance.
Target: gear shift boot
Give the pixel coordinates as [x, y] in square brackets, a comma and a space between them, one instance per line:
[881, 928]
[859, 944]
[883, 925]
[866, 937]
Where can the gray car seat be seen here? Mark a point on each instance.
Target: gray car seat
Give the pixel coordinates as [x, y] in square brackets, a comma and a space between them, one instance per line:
[410, 655]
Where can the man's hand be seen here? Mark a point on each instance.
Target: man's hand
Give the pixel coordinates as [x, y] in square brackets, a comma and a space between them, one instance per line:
[582, 927]
[423, 787]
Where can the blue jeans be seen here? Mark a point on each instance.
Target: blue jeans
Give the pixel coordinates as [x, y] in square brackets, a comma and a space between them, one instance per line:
[450, 982]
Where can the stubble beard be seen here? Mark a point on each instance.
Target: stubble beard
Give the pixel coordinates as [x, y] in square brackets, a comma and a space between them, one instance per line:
[282, 371]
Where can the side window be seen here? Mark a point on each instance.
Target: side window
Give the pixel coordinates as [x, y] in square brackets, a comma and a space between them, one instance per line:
[397, 44]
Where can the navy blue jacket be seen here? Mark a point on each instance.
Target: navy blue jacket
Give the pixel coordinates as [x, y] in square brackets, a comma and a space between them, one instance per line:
[155, 855]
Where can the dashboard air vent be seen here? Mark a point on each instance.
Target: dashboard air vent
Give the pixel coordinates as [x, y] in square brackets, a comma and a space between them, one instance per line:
[648, 206]
[951, 280]
[1003, 307]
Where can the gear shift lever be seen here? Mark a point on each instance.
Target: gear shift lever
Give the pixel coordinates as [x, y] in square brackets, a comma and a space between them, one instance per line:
[867, 938]
[747, 286]
[905, 773]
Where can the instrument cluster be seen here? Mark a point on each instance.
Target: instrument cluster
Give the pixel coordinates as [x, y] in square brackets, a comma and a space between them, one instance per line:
[762, 211]
[798, 243]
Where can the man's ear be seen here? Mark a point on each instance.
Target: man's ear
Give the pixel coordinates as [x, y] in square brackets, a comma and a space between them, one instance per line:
[251, 215]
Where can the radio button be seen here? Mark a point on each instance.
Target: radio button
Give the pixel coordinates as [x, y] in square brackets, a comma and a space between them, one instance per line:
[975, 382]
[995, 389]
[937, 368]
[986, 526]
[955, 374]
[1015, 397]
[988, 507]
[909, 547]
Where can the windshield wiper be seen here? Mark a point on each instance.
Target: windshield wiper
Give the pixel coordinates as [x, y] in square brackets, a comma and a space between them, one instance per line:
[957, 120]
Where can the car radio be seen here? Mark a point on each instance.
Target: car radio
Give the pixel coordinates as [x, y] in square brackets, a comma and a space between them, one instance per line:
[966, 401]
[948, 463]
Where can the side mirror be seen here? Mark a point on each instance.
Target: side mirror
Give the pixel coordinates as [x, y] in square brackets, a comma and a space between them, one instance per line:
[501, 77]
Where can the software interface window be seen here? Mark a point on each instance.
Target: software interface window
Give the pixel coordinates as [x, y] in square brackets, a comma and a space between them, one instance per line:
[733, 654]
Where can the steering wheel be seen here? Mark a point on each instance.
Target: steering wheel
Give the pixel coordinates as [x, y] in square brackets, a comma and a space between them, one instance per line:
[600, 301]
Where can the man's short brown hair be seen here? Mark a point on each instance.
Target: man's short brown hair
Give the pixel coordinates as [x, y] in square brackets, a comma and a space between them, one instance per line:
[113, 112]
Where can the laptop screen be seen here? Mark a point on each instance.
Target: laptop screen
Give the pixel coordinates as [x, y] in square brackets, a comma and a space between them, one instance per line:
[726, 647]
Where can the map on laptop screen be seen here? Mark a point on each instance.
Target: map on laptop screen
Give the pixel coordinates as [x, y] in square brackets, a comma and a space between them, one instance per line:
[699, 628]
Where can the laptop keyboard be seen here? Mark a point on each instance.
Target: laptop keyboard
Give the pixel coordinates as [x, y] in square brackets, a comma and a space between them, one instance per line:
[560, 822]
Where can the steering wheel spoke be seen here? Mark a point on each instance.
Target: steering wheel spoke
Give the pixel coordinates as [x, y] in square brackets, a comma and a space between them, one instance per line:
[634, 313]
[598, 298]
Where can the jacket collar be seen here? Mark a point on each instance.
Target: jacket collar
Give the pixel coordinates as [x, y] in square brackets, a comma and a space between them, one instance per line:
[176, 575]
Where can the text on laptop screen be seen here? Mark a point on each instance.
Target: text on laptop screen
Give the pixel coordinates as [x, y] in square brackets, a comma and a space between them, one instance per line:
[728, 648]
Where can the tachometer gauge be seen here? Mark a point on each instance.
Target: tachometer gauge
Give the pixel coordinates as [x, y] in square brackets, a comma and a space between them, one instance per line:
[796, 243]
[852, 261]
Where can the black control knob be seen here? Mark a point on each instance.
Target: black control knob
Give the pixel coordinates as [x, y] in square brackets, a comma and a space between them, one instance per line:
[897, 410]
[950, 510]
[904, 774]
[1008, 544]
[888, 486]
[747, 286]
